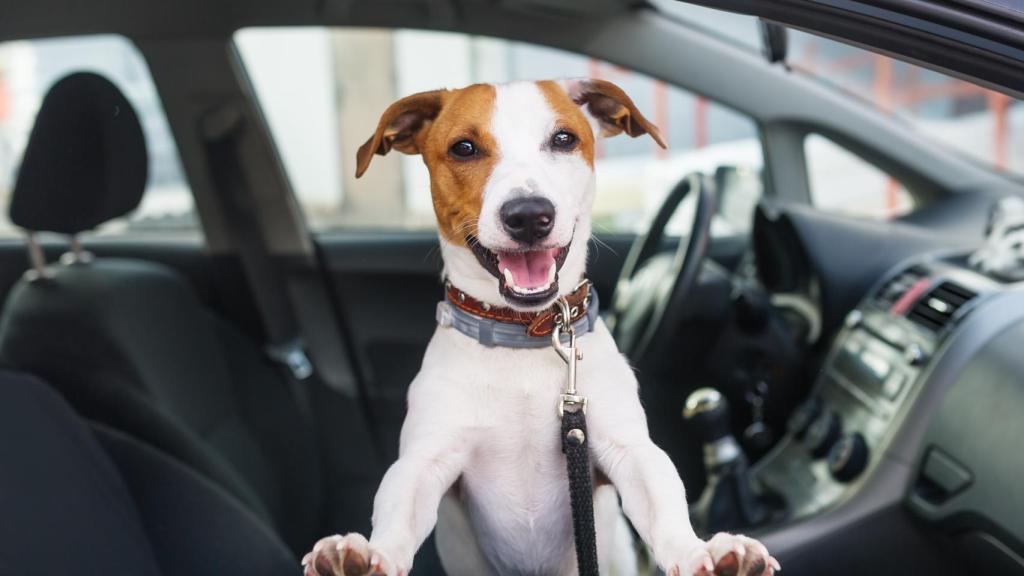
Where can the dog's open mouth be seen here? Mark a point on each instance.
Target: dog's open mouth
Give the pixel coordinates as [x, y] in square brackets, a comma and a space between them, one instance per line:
[526, 277]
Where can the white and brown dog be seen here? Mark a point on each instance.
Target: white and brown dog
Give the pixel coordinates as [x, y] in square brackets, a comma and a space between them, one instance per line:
[512, 177]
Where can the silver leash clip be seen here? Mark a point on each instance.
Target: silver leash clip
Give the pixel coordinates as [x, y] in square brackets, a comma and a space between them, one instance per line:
[570, 401]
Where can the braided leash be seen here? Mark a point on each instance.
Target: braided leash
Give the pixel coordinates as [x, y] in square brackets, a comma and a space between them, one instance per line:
[572, 409]
[581, 493]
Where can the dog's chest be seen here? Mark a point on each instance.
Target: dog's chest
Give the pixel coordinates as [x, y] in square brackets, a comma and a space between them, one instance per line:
[520, 450]
[514, 487]
[523, 446]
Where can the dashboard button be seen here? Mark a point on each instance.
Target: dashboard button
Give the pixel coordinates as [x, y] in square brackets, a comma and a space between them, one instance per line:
[876, 364]
[853, 345]
[823, 433]
[894, 385]
[802, 418]
[848, 458]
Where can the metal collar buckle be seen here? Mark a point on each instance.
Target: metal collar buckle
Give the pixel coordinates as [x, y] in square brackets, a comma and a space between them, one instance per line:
[570, 401]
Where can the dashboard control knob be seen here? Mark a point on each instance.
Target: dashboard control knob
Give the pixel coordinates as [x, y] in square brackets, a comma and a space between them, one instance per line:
[854, 318]
[848, 458]
[823, 433]
[914, 355]
[802, 418]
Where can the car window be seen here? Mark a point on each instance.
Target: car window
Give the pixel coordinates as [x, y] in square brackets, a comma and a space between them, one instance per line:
[841, 181]
[981, 124]
[322, 91]
[27, 70]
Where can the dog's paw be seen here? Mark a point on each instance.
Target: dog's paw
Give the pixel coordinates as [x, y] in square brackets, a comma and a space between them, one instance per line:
[727, 555]
[348, 555]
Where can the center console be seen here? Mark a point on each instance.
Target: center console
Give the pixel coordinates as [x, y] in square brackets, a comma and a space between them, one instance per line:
[877, 366]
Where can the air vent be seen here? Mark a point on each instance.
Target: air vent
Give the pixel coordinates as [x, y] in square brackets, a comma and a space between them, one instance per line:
[894, 289]
[935, 309]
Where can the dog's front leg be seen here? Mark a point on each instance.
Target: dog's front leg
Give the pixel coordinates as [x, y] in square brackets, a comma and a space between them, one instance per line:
[654, 499]
[434, 451]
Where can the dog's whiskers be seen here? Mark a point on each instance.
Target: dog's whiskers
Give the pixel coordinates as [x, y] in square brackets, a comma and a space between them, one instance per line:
[466, 225]
[600, 242]
[434, 250]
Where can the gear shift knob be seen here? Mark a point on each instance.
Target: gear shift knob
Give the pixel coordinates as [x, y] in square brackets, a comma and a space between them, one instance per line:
[729, 500]
[708, 413]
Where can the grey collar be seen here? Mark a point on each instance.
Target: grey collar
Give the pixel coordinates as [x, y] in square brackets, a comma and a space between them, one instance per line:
[494, 333]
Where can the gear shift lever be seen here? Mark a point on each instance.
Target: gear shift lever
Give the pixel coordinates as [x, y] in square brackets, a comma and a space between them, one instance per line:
[729, 501]
[708, 413]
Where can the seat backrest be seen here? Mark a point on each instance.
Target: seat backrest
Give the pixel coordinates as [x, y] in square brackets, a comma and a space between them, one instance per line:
[74, 505]
[63, 503]
[129, 343]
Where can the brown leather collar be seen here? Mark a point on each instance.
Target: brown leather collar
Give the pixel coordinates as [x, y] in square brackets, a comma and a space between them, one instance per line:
[537, 323]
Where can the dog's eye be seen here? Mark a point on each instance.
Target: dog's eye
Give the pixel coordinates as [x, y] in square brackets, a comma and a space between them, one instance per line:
[463, 149]
[563, 140]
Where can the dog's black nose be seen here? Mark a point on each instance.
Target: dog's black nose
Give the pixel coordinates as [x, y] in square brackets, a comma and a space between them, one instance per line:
[528, 219]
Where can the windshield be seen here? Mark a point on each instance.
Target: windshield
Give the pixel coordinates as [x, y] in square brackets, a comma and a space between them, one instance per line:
[981, 124]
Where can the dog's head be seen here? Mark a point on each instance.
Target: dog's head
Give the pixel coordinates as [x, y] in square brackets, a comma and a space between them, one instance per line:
[512, 178]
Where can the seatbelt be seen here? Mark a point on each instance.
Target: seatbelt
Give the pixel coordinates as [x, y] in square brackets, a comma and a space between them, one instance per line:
[222, 131]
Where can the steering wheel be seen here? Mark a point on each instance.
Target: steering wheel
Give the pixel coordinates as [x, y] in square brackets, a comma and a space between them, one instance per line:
[652, 288]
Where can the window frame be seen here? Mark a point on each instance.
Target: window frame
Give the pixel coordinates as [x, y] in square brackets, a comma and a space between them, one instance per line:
[815, 202]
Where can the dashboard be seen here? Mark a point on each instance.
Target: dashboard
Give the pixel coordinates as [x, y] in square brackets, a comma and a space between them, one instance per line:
[918, 405]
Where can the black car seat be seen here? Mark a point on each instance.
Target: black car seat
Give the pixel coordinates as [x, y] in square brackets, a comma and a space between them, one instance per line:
[128, 342]
[81, 501]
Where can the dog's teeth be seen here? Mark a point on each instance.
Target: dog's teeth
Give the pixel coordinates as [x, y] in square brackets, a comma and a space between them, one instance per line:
[508, 278]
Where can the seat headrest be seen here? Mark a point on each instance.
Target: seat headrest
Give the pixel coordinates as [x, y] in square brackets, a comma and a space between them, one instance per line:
[85, 162]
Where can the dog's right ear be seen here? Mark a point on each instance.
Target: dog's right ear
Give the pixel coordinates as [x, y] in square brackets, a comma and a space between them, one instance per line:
[400, 127]
[611, 107]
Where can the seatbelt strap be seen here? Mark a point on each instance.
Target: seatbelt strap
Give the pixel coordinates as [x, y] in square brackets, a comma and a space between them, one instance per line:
[222, 132]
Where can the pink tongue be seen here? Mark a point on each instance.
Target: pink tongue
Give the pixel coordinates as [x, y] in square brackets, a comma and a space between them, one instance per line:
[529, 269]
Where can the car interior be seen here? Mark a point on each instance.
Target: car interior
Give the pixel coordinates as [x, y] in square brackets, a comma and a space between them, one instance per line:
[208, 326]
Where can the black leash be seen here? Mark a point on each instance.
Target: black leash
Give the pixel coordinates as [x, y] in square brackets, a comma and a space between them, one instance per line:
[572, 409]
[581, 493]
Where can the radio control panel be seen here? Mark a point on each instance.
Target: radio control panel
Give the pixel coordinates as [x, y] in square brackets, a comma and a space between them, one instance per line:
[876, 365]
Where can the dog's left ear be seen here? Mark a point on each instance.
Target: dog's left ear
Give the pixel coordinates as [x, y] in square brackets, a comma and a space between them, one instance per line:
[611, 107]
[400, 127]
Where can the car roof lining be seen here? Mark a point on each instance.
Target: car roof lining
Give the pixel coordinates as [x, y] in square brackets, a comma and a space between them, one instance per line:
[151, 19]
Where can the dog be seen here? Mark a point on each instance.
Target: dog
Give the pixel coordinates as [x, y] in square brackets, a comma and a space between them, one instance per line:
[512, 180]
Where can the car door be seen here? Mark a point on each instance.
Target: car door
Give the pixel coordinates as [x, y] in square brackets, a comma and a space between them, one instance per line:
[376, 236]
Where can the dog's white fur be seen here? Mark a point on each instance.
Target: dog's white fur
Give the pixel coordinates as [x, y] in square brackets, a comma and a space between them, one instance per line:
[482, 424]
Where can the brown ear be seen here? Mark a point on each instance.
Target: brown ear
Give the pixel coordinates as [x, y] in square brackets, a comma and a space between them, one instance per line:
[612, 108]
[399, 127]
